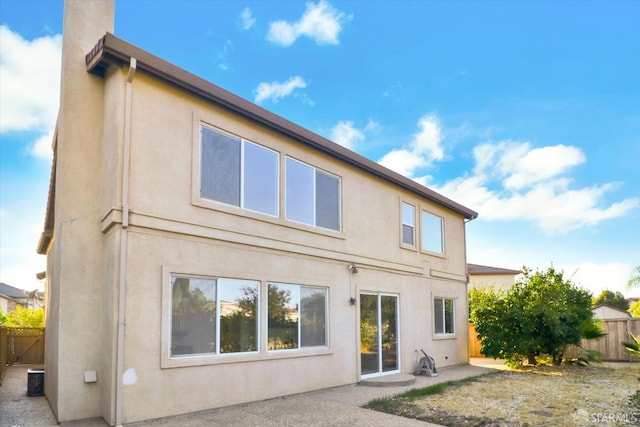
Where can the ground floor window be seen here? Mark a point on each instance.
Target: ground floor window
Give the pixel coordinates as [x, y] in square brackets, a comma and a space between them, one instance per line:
[443, 309]
[297, 316]
[213, 316]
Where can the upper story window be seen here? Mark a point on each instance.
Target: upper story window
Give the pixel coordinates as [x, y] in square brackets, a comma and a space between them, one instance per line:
[213, 316]
[238, 172]
[408, 224]
[444, 319]
[312, 196]
[432, 228]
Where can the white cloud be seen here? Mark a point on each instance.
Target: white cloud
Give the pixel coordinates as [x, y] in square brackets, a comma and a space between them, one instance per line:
[320, 22]
[248, 20]
[372, 126]
[427, 142]
[30, 82]
[276, 90]
[223, 56]
[403, 161]
[422, 151]
[513, 181]
[19, 260]
[598, 277]
[346, 134]
[42, 148]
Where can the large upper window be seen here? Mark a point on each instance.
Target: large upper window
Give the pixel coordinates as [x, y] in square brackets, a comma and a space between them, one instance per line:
[213, 316]
[297, 316]
[408, 224]
[238, 172]
[432, 232]
[313, 196]
[443, 310]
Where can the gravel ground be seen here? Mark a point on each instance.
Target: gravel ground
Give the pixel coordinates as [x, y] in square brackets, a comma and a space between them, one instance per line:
[595, 395]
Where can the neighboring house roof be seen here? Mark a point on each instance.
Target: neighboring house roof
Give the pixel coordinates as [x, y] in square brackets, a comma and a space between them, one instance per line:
[485, 270]
[12, 292]
[16, 293]
[112, 50]
[611, 307]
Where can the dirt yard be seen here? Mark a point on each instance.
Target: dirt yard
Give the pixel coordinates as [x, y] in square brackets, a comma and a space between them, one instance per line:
[537, 396]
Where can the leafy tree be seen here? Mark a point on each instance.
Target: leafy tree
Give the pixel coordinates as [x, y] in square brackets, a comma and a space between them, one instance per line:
[633, 348]
[614, 299]
[541, 314]
[635, 309]
[3, 318]
[25, 318]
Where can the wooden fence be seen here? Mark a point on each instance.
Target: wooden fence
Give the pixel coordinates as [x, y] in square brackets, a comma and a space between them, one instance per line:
[21, 346]
[4, 347]
[610, 346]
[618, 331]
[474, 342]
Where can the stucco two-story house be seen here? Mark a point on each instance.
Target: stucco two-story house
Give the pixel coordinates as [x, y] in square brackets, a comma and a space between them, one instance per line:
[204, 252]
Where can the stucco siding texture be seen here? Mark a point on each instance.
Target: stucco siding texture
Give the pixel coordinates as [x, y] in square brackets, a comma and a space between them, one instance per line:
[161, 391]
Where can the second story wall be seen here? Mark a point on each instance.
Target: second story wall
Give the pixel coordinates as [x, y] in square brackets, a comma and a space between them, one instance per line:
[166, 189]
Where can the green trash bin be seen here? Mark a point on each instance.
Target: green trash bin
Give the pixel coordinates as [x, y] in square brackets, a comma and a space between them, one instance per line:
[35, 382]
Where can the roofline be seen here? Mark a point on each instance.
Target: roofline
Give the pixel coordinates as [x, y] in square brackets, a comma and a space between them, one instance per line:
[113, 50]
[613, 307]
[492, 271]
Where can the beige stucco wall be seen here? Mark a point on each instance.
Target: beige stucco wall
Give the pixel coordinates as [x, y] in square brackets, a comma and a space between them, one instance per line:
[75, 328]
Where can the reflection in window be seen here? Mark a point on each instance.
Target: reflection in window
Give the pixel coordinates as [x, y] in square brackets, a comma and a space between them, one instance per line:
[444, 316]
[193, 314]
[312, 196]
[432, 233]
[408, 224]
[238, 172]
[200, 307]
[296, 316]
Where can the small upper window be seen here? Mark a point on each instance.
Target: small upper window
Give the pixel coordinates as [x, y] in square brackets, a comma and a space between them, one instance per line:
[432, 233]
[238, 172]
[444, 318]
[408, 224]
[312, 196]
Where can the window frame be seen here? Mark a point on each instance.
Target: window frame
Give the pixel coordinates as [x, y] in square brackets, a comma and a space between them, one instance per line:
[300, 346]
[314, 184]
[424, 229]
[274, 211]
[403, 224]
[197, 270]
[444, 333]
[217, 353]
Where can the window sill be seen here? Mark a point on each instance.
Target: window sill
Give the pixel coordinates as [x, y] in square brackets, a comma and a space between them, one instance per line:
[445, 337]
[408, 247]
[263, 356]
[266, 218]
[435, 254]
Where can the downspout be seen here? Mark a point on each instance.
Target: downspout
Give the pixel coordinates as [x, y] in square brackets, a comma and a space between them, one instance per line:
[124, 239]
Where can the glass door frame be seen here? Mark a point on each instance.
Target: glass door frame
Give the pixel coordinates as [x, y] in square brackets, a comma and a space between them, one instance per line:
[380, 372]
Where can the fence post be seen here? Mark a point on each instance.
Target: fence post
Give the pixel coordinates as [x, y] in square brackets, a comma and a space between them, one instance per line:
[4, 350]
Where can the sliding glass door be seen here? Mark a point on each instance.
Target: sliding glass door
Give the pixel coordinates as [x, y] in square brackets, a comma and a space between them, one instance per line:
[378, 334]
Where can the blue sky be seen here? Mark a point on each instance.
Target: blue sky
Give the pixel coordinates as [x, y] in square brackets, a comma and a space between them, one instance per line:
[527, 112]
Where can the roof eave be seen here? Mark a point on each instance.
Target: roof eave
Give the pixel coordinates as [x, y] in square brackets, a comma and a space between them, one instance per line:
[112, 50]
